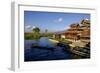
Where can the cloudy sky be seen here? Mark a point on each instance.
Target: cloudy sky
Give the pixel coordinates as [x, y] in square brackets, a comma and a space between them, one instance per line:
[53, 21]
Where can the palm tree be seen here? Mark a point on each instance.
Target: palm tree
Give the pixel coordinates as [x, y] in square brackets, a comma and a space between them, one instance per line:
[46, 30]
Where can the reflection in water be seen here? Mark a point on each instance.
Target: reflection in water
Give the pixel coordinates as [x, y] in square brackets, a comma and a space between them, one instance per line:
[37, 54]
[44, 41]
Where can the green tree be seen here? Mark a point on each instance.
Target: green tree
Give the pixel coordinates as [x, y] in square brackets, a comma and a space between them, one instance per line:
[36, 33]
[36, 30]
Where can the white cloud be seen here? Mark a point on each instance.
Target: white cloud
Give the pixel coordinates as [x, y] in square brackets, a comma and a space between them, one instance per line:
[67, 27]
[33, 27]
[59, 19]
[28, 28]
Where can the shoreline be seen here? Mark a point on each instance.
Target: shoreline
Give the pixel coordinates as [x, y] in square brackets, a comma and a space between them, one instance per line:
[54, 41]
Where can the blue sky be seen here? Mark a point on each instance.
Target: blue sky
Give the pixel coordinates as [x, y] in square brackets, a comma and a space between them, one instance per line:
[53, 21]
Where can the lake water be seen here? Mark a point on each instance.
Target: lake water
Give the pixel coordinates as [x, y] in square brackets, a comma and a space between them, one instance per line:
[37, 54]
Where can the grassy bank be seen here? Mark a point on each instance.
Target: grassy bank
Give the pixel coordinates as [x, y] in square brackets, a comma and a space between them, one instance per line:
[36, 36]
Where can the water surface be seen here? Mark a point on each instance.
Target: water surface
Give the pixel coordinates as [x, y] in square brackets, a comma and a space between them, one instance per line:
[37, 54]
